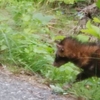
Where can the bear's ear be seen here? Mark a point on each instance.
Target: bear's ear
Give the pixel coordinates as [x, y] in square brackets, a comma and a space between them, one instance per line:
[60, 47]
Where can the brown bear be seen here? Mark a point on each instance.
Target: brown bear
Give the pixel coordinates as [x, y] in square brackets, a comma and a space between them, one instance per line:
[83, 55]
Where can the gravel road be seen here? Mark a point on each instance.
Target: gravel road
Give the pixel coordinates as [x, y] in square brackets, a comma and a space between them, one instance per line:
[14, 87]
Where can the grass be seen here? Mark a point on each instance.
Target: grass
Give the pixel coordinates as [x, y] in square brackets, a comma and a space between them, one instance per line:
[27, 34]
[88, 89]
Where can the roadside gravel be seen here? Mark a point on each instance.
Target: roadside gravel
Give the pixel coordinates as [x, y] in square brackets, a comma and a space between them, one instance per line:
[23, 87]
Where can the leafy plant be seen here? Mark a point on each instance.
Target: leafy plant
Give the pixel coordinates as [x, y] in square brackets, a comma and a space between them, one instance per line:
[82, 37]
[63, 74]
[92, 29]
[20, 43]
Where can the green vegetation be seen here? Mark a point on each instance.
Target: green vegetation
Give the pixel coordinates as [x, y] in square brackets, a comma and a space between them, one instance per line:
[88, 89]
[28, 30]
[92, 29]
[26, 40]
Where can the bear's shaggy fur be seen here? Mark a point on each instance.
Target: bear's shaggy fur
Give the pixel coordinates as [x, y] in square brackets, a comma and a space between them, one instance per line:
[83, 55]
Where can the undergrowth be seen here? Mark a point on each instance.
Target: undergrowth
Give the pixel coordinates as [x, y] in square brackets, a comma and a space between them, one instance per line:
[27, 41]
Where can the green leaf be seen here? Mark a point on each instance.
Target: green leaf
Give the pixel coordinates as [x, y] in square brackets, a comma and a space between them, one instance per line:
[59, 37]
[57, 88]
[82, 38]
[26, 50]
[69, 1]
[98, 3]
[26, 17]
[3, 47]
[39, 50]
[90, 31]
[44, 19]
[96, 20]
[96, 29]
[69, 68]
[51, 0]
[88, 24]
